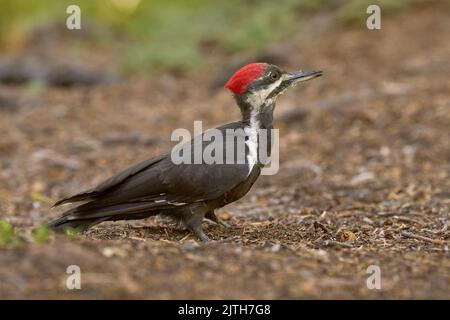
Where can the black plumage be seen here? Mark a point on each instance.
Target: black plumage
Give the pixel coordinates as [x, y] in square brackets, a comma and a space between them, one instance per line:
[188, 192]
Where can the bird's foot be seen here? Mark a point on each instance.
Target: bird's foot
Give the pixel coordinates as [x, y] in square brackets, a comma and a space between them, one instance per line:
[212, 218]
[192, 219]
[218, 222]
[201, 235]
[224, 224]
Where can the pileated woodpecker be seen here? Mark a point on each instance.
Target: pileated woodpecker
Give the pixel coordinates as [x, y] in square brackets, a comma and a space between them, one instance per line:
[185, 191]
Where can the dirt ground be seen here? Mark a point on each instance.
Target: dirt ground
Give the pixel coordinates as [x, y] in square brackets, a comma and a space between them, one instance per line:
[363, 180]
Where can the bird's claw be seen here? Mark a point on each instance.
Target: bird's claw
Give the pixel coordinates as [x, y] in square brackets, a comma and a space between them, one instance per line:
[202, 236]
[224, 224]
[218, 222]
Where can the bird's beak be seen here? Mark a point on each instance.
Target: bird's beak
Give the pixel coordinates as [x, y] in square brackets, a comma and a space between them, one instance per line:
[297, 77]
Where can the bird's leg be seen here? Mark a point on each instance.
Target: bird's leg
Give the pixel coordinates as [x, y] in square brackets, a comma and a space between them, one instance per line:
[192, 218]
[212, 216]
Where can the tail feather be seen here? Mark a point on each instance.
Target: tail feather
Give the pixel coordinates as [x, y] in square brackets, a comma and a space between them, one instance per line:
[63, 223]
[84, 196]
[89, 214]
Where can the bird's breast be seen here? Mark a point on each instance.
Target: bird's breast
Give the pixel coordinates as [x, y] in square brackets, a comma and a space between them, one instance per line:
[251, 141]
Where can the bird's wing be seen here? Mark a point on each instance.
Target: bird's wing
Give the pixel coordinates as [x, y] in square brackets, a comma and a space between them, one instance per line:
[111, 182]
[184, 182]
[165, 184]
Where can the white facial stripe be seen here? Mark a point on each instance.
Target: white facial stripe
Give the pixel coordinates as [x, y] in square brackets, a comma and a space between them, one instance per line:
[257, 98]
[265, 92]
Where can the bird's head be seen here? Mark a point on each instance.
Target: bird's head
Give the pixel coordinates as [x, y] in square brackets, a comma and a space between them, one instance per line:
[257, 84]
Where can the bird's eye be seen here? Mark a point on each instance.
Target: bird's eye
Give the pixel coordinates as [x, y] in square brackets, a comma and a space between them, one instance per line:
[274, 75]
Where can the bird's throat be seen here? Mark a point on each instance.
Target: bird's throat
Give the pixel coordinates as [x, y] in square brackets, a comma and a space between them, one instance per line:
[259, 115]
[255, 118]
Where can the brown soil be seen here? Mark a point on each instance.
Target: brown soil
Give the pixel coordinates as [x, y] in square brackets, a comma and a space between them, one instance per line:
[364, 178]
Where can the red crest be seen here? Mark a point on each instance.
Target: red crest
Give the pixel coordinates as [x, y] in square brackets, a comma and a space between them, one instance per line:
[240, 80]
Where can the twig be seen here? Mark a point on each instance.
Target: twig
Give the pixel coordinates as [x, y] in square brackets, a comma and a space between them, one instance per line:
[387, 213]
[407, 219]
[226, 240]
[185, 237]
[334, 242]
[423, 238]
[321, 226]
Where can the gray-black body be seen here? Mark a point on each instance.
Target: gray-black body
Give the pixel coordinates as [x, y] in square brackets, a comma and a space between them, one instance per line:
[186, 191]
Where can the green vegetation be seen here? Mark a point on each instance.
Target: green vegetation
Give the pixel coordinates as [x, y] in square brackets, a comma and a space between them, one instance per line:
[39, 197]
[7, 234]
[180, 34]
[41, 234]
[72, 232]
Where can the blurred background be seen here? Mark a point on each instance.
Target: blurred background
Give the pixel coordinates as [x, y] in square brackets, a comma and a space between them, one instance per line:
[146, 37]
[364, 151]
